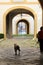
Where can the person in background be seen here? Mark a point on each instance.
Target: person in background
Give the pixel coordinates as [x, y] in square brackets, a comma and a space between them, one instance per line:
[40, 38]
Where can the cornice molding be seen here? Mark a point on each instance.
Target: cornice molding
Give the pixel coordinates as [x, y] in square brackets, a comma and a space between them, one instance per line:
[19, 3]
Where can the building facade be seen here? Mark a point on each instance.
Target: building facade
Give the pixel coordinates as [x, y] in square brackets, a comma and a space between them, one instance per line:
[14, 12]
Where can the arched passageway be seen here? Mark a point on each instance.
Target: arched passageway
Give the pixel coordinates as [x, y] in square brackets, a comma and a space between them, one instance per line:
[22, 27]
[10, 16]
[12, 12]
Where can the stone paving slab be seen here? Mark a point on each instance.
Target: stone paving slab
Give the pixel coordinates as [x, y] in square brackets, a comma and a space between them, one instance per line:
[29, 55]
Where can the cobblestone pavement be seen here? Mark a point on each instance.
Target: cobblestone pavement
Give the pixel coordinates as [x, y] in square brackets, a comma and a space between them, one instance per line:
[30, 55]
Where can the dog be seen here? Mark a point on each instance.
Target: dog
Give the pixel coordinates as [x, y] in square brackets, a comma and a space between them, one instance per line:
[17, 48]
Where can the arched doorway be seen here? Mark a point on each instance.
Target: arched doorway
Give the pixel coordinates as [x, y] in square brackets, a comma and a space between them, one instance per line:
[22, 27]
[13, 12]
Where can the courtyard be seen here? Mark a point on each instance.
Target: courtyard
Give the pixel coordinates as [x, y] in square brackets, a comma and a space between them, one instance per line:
[29, 55]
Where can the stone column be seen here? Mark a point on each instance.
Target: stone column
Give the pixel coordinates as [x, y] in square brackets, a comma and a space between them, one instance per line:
[10, 26]
[4, 28]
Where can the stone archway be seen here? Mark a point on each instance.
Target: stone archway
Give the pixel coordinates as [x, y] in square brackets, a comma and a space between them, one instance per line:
[28, 10]
[26, 23]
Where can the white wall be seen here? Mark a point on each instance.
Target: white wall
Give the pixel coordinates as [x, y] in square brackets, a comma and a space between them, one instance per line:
[32, 0]
[18, 0]
[4, 0]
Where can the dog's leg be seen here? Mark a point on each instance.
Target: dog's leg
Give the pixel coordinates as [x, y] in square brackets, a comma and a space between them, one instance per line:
[19, 52]
[15, 52]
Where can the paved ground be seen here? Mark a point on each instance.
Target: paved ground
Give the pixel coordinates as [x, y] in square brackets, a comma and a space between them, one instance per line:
[30, 52]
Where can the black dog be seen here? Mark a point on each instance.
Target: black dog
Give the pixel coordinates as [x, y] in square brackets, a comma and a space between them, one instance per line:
[16, 48]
